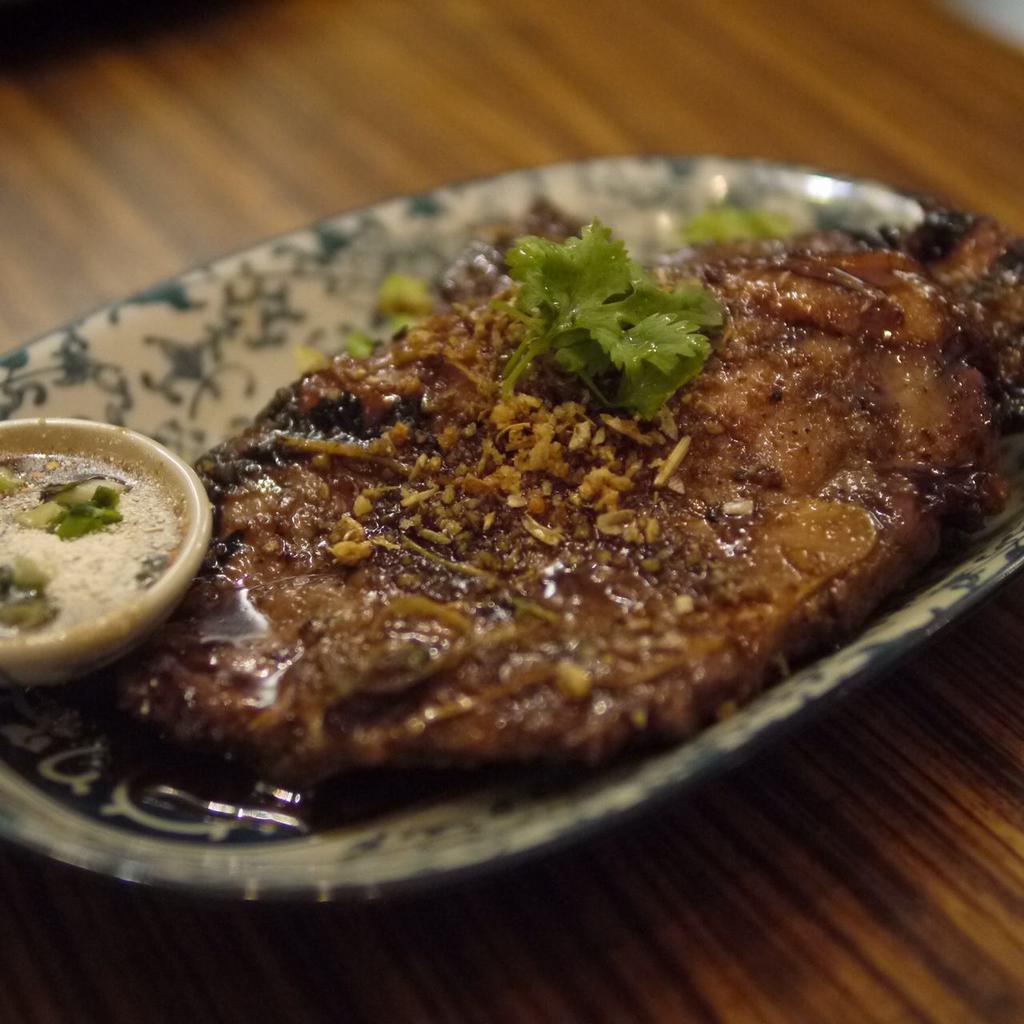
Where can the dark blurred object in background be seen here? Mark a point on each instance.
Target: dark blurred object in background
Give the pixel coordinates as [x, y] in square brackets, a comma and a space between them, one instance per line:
[32, 29]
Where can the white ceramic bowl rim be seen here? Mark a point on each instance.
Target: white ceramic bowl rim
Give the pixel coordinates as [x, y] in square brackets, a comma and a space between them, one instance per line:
[60, 435]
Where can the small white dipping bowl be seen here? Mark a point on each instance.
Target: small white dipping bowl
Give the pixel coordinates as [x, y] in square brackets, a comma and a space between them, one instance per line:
[54, 655]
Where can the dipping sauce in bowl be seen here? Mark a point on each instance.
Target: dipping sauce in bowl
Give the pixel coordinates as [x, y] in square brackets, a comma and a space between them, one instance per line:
[84, 537]
[101, 531]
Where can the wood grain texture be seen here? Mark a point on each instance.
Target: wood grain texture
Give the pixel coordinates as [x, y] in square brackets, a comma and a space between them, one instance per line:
[870, 870]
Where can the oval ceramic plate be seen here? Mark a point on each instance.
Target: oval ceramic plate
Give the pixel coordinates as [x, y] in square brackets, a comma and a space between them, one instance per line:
[191, 359]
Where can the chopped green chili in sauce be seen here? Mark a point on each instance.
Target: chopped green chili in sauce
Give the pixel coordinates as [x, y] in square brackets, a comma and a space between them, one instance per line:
[90, 535]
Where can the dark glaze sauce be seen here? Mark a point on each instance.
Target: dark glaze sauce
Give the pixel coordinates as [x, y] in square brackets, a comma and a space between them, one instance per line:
[197, 786]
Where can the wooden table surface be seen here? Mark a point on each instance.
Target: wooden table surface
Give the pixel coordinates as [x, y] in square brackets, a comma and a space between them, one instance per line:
[871, 869]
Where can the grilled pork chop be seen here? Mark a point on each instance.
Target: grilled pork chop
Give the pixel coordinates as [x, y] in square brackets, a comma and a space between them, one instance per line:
[411, 568]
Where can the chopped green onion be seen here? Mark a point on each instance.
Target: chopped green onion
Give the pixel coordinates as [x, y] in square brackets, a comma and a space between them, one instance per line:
[309, 359]
[23, 600]
[80, 492]
[402, 294]
[359, 344]
[26, 612]
[402, 321]
[76, 509]
[87, 518]
[42, 517]
[28, 574]
[729, 223]
[106, 497]
[9, 481]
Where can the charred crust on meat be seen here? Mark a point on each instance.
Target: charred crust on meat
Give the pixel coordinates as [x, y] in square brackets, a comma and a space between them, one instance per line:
[283, 410]
[1012, 260]
[958, 495]
[223, 549]
[408, 410]
[336, 416]
[329, 417]
[343, 415]
[939, 233]
[235, 464]
[223, 469]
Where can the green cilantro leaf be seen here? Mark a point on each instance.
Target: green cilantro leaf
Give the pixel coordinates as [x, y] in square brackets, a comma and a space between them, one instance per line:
[728, 223]
[657, 357]
[600, 316]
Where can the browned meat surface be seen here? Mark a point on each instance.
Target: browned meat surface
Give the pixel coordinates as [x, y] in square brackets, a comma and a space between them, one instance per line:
[981, 265]
[480, 271]
[410, 569]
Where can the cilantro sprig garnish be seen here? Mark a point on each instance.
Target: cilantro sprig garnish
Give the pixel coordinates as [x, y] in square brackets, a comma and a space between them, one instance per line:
[599, 315]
